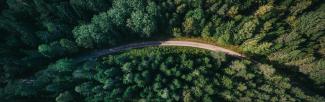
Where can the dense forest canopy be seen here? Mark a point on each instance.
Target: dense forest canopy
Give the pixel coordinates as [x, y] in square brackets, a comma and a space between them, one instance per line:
[283, 39]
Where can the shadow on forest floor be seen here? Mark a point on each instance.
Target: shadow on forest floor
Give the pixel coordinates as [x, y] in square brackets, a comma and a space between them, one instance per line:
[297, 78]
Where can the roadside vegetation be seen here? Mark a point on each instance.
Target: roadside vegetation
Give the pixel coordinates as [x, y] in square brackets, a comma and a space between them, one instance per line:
[159, 74]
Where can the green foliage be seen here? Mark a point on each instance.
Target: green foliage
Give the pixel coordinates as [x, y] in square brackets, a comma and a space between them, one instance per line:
[299, 6]
[306, 25]
[64, 97]
[63, 65]
[69, 46]
[83, 35]
[46, 50]
[193, 81]
[142, 23]
[207, 31]
[58, 48]
[247, 31]
[194, 21]
[39, 35]
[84, 88]
[252, 46]
[85, 8]
[318, 72]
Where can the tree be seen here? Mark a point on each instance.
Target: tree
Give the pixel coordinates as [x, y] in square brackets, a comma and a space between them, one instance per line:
[84, 88]
[227, 82]
[46, 50]
[241, 87]
[177, 32]
[263, 9]
[120, 12]
[139, 80]
[102, 22]
[128, 78]
[187, 96]
[209, 89]
[177, 83]
[57, 48]
[311, 24]
[194, 21]
[63, 65]
[207, 31]
[300, 6]
[225, 31]
[233, 11]
[128, 93]
[153, 9]
[69, 46]
[64, 97]
[85, 8]
[146, 75]
[83, 35]
[267, 71]
[141, 22]
[207, 99]
[223, 9]
[252, 46]
[127, 67]
[227, 95]
[318, 72]
[93, 35]
[247, 31]
[321, 46]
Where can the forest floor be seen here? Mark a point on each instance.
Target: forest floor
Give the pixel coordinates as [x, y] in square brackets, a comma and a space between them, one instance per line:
[206, 46]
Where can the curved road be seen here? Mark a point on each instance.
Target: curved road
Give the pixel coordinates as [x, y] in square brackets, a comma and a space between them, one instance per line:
[210, 47]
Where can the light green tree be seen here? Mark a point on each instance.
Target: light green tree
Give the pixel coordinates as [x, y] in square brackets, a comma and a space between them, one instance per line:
[64, 97]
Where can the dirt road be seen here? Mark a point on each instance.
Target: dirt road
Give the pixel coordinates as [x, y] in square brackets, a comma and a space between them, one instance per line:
[210, 47]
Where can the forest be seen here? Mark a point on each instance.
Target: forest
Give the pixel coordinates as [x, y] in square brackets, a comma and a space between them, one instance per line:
[284, 42]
